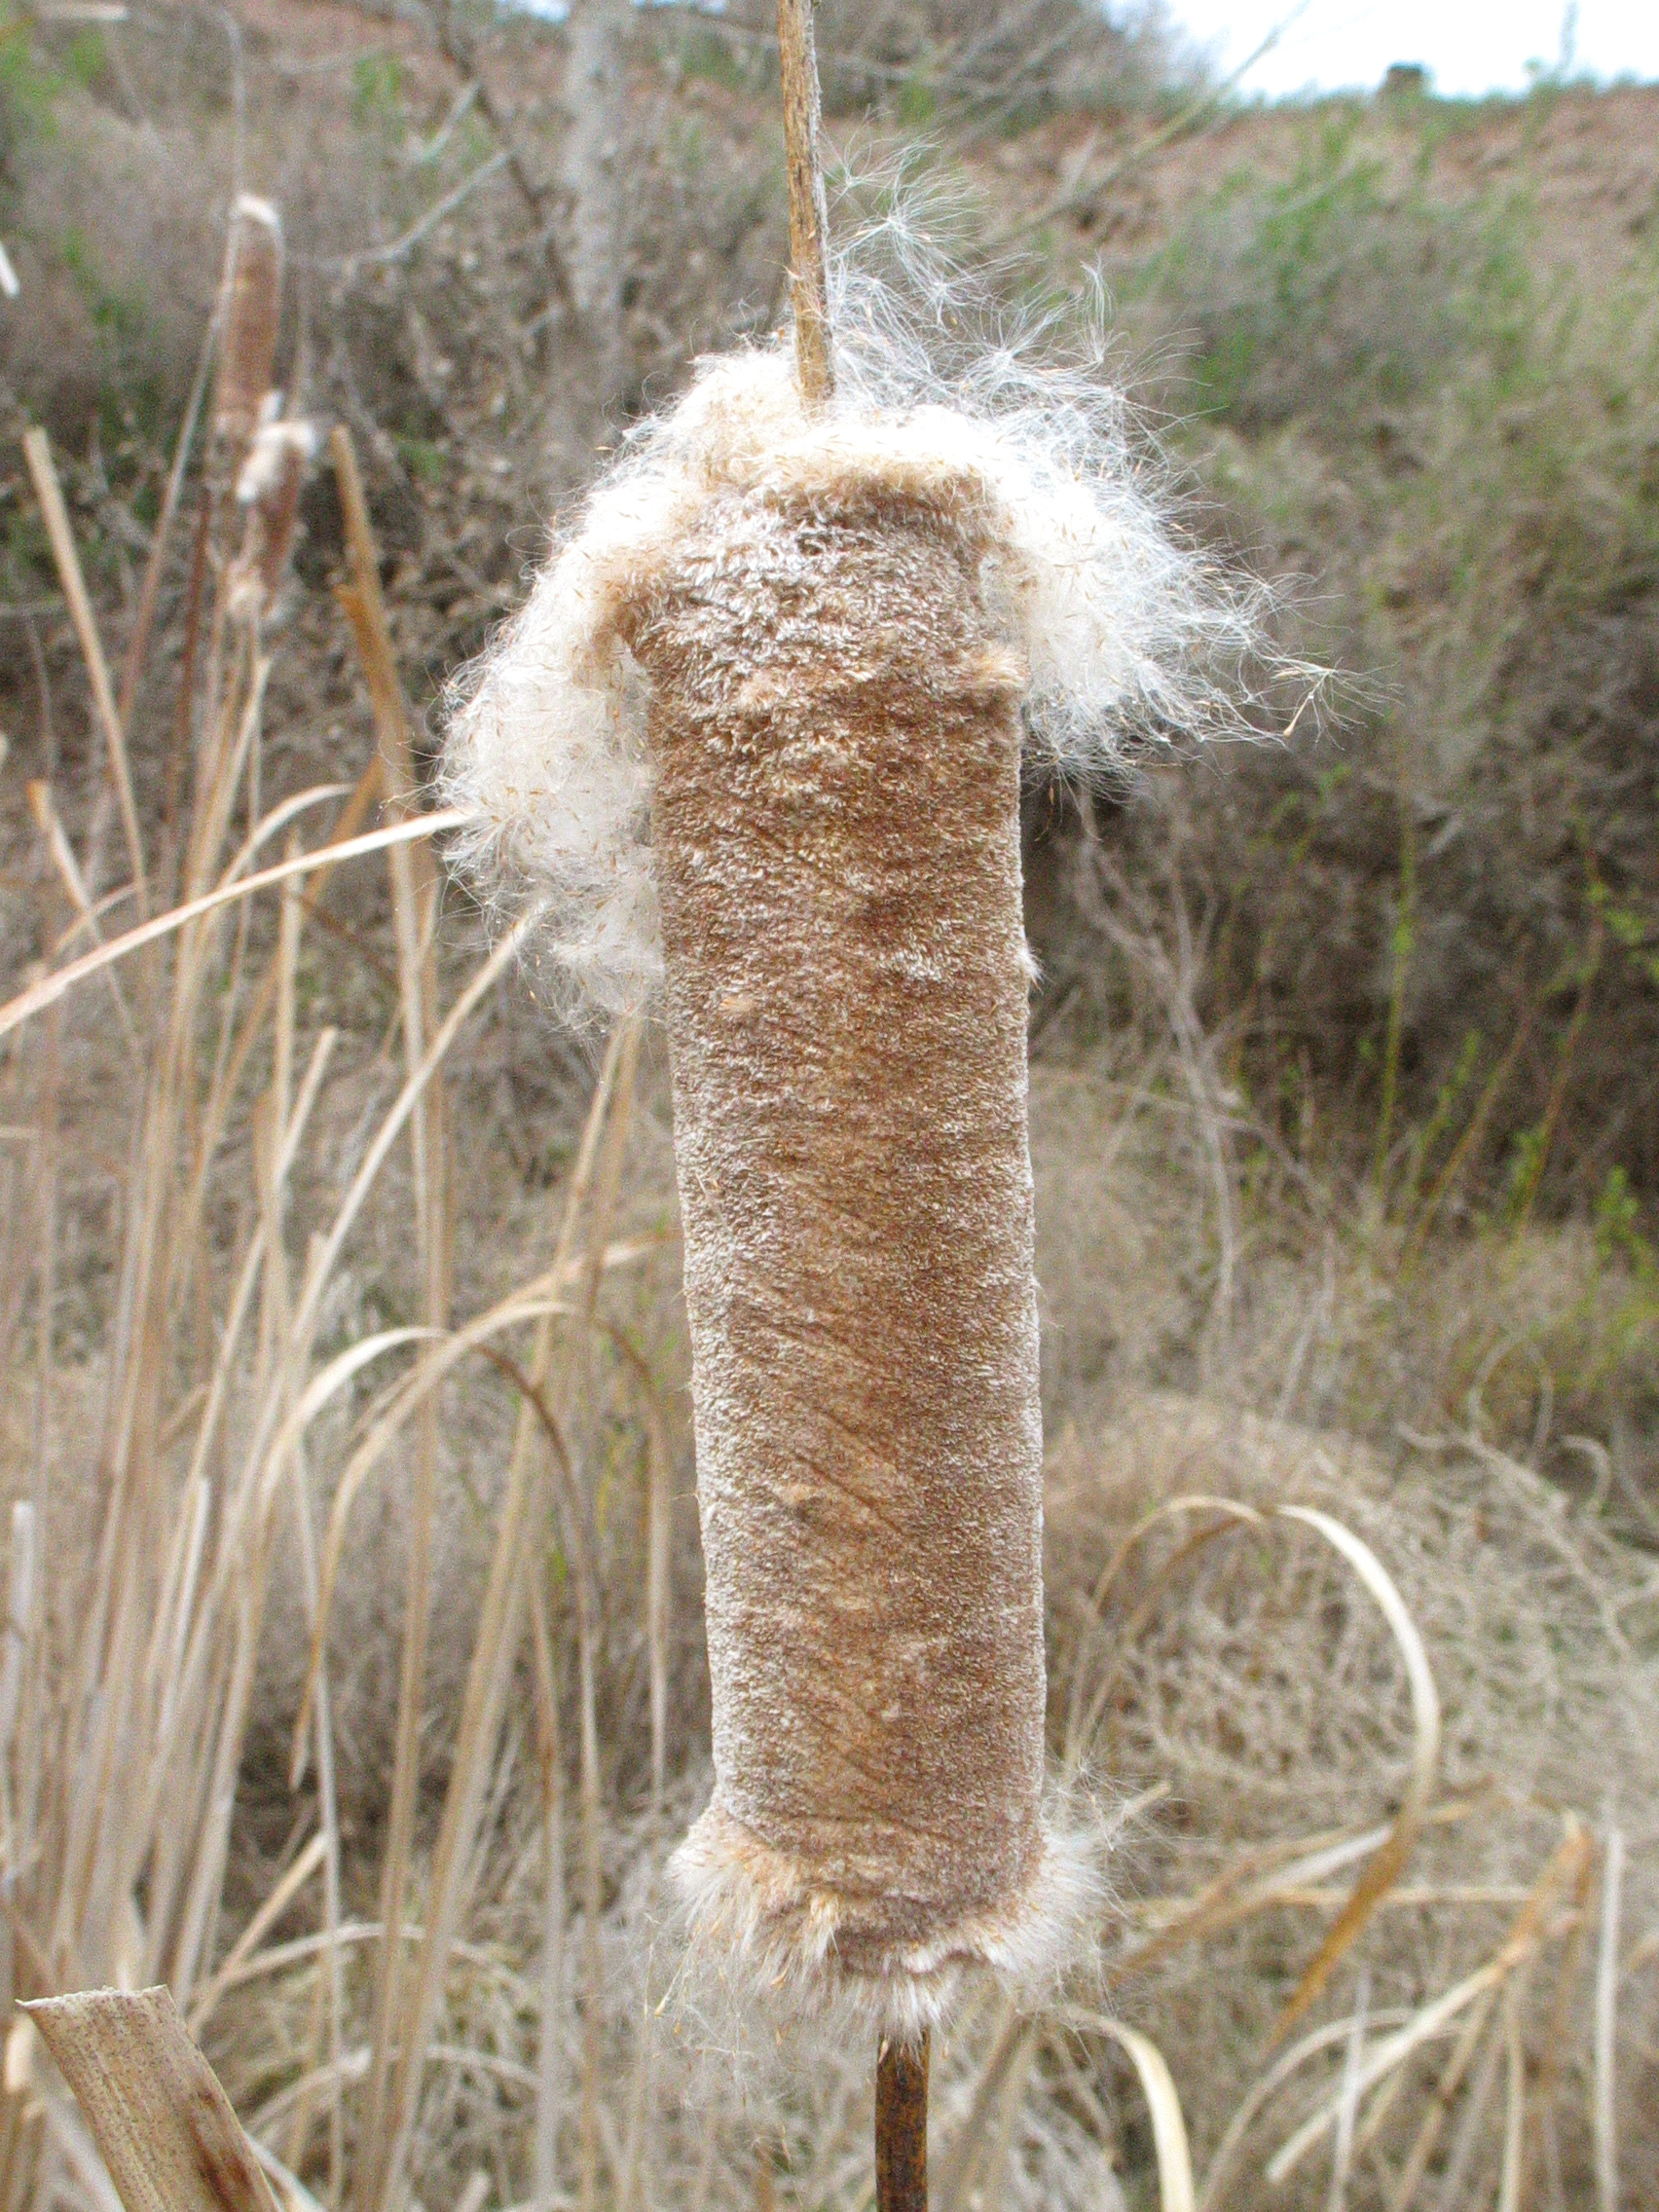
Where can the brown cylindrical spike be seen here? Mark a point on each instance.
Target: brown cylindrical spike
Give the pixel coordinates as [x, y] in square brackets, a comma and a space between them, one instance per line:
[250, 309]
[835, 823]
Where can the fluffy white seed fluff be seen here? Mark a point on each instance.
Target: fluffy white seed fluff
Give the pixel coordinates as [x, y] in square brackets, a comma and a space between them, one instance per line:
[1127, 632]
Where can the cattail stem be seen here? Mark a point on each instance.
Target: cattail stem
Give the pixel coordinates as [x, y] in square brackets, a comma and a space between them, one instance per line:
[809, 223]
[901, 2125]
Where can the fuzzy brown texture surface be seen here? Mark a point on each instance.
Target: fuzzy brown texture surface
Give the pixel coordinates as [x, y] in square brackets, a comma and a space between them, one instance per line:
[835, 741]
[251, 306]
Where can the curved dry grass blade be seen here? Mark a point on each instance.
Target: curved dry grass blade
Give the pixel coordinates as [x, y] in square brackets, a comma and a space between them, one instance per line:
[328, 1248]
[529, 1301]
[1079, 1725]
[1381, 1875]
[1168, 2127]
[50, 988]
[522, 1305]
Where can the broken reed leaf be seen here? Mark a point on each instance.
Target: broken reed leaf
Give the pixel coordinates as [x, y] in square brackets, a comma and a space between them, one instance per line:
[162, 2124]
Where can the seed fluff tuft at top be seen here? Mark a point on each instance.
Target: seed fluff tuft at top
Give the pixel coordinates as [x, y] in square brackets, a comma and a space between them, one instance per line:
[1128, 635]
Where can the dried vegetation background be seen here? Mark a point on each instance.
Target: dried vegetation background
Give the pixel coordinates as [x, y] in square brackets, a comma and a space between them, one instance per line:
[353, 1567]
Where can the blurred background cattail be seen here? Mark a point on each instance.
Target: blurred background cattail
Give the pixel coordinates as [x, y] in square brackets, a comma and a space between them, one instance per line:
[250, 307]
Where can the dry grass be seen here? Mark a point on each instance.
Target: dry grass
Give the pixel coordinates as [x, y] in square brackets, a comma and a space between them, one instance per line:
[352, 1578]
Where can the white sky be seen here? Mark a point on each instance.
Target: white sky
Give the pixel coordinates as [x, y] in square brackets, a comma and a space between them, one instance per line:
[1471, 46]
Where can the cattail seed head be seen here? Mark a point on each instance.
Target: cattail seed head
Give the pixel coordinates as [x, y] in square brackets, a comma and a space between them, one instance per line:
[250, 305]
[268, 489]
[758, 732]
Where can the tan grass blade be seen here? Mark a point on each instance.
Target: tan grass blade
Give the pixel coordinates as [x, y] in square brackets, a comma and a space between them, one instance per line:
[1445, 2096]
[1168, 2127]
[22, 1587]
[163, 2124]
[246, 1513]
[50, 988]
[414, 891]
[1603, 2110]
[1384, 1870]
[38, 454]
[499, 1626]
[1515, 2110]
[527, 1305]
[1429, 2021]
[550, 1994]
[51, 827]
[270, 1910]
[1261, 2093]
[660, 1530]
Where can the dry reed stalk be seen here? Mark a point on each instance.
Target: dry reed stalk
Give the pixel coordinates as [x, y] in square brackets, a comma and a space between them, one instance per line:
[138, 643]
[415, 897]
[902, 2126]
[1604, 2109]
[58, 845]
[156, 1698]
[37, 451]
[499, 1628]
[550, 1988]
[809, 220]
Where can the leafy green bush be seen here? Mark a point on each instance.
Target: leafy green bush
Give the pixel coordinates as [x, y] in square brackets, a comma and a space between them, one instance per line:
[1445, 919]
